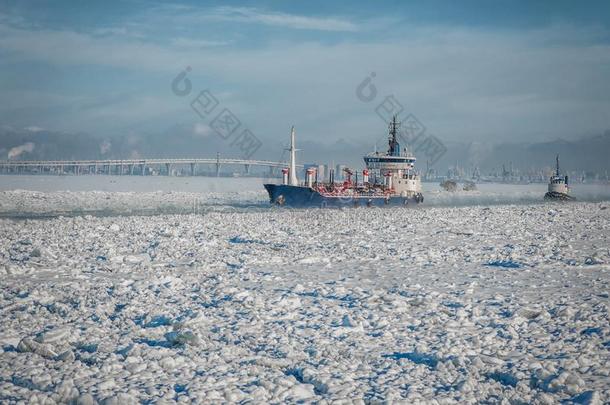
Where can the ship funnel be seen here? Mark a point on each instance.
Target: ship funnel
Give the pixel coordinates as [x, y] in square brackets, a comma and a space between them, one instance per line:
[309, 179]
[388, 180]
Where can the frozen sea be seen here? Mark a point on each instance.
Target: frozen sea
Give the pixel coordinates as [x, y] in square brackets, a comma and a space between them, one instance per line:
[128, 289]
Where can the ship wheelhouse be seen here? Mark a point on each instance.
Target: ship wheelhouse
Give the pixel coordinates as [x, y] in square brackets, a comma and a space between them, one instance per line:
[557, 180]
[380, 161]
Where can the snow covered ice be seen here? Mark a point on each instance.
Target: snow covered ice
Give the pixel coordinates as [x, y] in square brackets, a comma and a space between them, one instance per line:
[453, 304]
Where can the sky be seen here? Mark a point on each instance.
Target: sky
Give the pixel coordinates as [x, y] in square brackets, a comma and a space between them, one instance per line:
[484, 71]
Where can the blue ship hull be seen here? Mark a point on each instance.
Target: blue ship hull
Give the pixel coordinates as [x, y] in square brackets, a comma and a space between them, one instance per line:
[305, 197]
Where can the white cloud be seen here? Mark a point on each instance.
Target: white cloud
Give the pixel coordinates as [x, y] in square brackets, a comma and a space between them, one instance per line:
[17, 151]
[64, 47]
[193, 15]
[202, 130]
[109, 31]
[253, 15]
[34, 128]
[105, 146]
[197, 43]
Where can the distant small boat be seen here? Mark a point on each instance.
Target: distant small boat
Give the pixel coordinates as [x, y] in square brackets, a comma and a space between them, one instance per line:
[558, 186]
[469, 186]
[449, 185]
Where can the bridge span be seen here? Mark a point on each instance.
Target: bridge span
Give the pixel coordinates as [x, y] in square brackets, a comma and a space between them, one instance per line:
[142, 167]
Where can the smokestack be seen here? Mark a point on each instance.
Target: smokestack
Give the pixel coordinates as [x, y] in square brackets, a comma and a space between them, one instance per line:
[309, 177]
[388, 180]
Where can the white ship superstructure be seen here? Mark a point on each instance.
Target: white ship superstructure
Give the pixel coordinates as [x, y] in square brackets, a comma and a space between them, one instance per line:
[396, 166]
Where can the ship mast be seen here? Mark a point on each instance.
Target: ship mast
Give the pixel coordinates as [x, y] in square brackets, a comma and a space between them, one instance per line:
[393, 144]
[557, 170]
[293, 164]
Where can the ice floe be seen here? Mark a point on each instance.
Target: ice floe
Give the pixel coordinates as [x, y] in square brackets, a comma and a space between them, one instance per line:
[463, 305]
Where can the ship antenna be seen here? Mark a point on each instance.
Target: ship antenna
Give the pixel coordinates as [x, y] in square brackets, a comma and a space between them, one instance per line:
[557, 170]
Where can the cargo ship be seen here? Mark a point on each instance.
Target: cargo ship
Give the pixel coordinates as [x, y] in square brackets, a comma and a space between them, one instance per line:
[558, 186]
[389, 179]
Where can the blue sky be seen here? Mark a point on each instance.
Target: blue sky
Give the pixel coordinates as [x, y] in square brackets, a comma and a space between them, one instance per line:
[473, 70]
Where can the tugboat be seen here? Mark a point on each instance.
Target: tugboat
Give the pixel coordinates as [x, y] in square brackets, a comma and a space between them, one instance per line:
[469, 186]
[389, 179]
[558, 186]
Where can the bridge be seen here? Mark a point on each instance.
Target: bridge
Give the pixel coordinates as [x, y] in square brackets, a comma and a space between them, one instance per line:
[130, 166]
